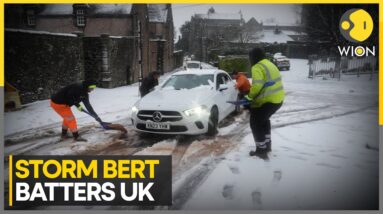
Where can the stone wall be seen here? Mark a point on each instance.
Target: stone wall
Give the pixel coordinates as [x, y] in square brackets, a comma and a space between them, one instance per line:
[39, 64]
[121, 61]
[109, 60]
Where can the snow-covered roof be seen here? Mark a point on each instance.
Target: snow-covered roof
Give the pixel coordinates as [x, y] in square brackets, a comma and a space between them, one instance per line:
[157, 12]
[279, 23]
[270, 37]
[220, 16]
[57, 9]
[112, 8]
[291, 32]
[67, 9]
[39, 32]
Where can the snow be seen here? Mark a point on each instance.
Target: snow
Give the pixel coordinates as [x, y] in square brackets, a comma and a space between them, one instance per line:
[39, 32]
[270, 37]
[325, 147]
[67, 9]
[321, 162]
[165, 147]
[323, 167]
[57, 9]
[112, 8]
[110, 105]
[157, 12]
[224, 16]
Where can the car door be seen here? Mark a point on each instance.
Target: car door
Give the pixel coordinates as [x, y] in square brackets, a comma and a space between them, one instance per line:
[223, 95]
[231, 93]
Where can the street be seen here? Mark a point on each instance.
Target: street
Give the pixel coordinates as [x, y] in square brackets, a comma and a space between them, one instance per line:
[324, 147]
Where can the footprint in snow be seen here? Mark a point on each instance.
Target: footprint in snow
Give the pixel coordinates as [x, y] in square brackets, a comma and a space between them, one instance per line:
[227, 191]
[257, 199]
[328, 165]
[50, 132]
[234, 169]
[277, 175]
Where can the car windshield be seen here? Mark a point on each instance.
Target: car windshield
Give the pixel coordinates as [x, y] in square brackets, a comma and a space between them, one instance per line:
[193, 65]
[188, 81]
[281, 58]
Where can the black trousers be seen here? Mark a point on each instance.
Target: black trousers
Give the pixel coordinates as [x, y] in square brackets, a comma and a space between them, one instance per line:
[260, 120]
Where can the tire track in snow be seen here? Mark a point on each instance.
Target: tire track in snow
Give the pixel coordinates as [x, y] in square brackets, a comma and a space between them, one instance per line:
[199, 175]
[324, 116]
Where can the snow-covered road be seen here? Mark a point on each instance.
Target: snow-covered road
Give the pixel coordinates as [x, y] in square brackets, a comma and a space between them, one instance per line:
[325, 147]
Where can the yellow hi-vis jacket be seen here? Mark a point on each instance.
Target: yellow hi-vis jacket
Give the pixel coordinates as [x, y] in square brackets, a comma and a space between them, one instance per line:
[262, 72]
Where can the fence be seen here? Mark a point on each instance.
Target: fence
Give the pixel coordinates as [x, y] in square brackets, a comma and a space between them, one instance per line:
[335, 67]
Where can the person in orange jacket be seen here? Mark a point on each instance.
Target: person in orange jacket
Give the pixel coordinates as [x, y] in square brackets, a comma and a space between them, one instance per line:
[243, 84]
[68, 96]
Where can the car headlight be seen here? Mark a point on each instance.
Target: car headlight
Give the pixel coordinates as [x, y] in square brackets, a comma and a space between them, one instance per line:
[200, 110]
[134, 109]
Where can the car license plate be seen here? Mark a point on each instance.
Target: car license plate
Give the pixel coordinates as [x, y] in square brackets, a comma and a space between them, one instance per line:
[157, 126]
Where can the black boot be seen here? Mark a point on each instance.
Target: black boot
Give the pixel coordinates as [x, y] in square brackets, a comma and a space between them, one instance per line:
[64, 134]
[78, 138]
[260, 152]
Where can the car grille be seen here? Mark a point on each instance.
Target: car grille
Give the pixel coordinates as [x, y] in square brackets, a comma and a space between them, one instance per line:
[166, 116]
[142, 126]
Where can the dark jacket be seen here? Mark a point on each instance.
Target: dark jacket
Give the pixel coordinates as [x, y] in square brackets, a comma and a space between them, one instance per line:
[148, 84]
[74, 94]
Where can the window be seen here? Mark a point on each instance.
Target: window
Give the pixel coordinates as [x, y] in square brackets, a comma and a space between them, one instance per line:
[80, 12]
[188, 81]
[31, 18]
[80, 18]
[222, 79]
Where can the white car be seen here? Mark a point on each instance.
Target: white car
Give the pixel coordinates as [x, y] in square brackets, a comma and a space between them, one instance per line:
[282, 62]
[191, 65]
[188, 102]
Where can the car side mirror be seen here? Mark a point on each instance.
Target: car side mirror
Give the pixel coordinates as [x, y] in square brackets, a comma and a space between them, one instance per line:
[223, 87]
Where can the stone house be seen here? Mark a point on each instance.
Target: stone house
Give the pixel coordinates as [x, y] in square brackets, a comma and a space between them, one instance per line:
[208, 31]
[111, 52]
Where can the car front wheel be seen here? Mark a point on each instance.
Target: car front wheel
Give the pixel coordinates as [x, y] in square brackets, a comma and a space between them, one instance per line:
[213, 122]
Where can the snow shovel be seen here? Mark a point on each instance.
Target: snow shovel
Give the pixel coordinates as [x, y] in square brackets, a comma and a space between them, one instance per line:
[239, 102]
[108, 126]
[247, 102]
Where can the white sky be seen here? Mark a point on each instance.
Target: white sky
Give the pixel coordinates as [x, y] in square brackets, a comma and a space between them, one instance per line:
[282, 13]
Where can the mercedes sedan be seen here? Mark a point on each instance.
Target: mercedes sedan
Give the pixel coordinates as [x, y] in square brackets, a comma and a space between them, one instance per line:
[188, 102]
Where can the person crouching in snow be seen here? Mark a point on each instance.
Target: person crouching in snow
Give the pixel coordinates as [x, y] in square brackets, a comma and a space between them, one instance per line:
[243, 84]
[68, 96]
[265, 99]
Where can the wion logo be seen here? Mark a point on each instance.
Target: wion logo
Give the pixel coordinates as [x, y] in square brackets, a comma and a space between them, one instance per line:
[356, 26]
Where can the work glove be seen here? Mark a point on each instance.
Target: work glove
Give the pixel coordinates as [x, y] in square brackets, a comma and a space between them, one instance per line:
[248, 98]
[80, 108]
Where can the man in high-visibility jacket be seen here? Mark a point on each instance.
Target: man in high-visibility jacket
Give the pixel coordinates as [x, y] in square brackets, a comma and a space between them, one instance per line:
[266, 97]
